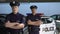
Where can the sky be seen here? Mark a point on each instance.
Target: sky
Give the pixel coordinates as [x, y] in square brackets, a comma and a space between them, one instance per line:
[48, 8]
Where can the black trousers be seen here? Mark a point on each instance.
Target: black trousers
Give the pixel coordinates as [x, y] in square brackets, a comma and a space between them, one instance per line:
[33, 32]
[3, 30]
[13, 31]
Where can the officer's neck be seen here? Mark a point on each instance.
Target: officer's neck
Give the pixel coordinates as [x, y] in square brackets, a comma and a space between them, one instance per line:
[34, 13]
[14, 13]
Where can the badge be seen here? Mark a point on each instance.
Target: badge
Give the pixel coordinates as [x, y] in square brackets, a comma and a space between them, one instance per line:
[37, 19]
[13, 2]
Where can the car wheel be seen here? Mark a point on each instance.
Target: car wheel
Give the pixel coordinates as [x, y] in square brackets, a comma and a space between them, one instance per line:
[56, 32]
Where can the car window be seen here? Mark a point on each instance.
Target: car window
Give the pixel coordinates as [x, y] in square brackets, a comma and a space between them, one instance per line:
[47, 20]
[54, 17]
[58, 18]
[2, 17]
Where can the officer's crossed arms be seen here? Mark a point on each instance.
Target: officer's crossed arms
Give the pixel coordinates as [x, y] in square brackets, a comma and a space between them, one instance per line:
[14, 25]
[35, 23]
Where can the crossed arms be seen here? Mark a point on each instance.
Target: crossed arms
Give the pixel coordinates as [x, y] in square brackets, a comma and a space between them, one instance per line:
[14, 25]
[35, 23]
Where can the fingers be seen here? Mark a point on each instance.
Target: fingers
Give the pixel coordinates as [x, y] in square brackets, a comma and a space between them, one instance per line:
[29, 21]
[22, 25]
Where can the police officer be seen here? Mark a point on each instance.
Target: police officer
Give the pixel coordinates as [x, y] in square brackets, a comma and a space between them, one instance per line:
[33, 21]
[14, 21]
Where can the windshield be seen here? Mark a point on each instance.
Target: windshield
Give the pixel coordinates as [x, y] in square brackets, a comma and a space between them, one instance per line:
[2, 17]
[56, 17]
[47, 20]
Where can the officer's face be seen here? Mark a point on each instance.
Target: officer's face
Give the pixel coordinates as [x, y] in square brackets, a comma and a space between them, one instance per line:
[15, 9]
[33, 10]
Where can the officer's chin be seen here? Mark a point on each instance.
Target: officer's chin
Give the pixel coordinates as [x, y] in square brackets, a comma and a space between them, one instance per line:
[15, 12]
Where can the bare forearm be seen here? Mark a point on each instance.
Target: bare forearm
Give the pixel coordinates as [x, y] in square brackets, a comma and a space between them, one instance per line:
[15, 27]
[10, 24]
[34, 23]
[19, 26]
[38, 23]
[31, 23]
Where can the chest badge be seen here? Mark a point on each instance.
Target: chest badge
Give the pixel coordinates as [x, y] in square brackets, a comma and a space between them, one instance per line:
[37, 19]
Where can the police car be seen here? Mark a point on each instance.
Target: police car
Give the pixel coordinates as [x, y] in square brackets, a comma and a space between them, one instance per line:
[57, 19]
[48, 26]
[2, 19]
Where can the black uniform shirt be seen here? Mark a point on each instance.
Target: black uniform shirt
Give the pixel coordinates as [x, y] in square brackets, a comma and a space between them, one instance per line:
[33, 18]
[15, 18]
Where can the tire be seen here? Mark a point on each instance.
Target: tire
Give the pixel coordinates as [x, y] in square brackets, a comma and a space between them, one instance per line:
[56, 32]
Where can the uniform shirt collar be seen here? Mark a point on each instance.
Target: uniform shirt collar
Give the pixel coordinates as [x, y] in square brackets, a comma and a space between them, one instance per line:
[34, 15]
[15, 14]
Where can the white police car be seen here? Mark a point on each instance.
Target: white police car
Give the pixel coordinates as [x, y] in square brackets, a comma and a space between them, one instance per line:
[56, 17]
[48, 26]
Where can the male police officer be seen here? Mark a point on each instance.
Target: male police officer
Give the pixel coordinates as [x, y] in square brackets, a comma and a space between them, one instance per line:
[33, 21]
[14, 21]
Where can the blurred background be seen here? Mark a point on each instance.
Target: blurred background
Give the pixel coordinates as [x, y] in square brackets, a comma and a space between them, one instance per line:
[48, 8]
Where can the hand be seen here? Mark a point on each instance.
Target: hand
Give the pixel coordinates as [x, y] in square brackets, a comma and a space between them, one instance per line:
[21, 25]
[39, 22]
[8, 25]
[29, 21]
